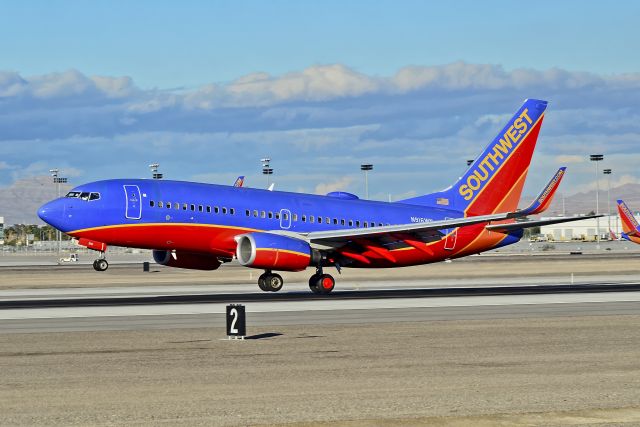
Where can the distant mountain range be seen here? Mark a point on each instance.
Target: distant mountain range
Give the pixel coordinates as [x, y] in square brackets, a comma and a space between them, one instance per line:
[20, 201]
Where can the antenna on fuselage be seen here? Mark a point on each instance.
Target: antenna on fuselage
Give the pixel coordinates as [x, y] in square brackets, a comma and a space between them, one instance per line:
[154, 171]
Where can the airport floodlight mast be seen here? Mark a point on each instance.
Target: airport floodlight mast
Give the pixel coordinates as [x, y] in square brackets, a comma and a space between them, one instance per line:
[266, 170]
[608, 173]
[57, 180]
[154, 171]
[597, 158]
[366, 168]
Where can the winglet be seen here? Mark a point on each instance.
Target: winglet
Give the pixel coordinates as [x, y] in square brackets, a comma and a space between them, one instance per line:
[239, 181]
[630, 224]
[542, 202]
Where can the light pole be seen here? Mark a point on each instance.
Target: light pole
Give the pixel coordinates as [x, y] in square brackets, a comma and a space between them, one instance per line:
[154, 171]
[58, 180]
[266, 170]
[597, 158]
[366, 168]
[608, 173]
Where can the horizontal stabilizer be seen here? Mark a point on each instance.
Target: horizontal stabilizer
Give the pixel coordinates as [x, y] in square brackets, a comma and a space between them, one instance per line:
[542, 202]
[507, 228]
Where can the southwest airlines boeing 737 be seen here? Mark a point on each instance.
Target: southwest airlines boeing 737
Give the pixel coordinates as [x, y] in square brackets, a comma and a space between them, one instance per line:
[200, 226]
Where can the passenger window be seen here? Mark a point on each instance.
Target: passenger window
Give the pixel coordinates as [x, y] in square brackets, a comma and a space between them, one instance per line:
[277, 215]
[200, 208]
[232, 211]
[193, 207]
[304, 218]
[335, 221]
[350, 223]
[263, 214]
[255, 213]
[247, 212]
[216, 209]
[160, 204]
[342, 222]
[285, 216]
[224, 210]
[311, 219]
[327, 220]
[357, 223]
[270, 214]
[294, 217]
[168, 205]
[184, 206]
[208, 209]
[319, 220]
[151, 203]
[365, 224]
[176, 205]
[94, 196]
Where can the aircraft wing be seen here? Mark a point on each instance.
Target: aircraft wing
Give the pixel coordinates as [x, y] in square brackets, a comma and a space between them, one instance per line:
[506, 228]
[345, 235]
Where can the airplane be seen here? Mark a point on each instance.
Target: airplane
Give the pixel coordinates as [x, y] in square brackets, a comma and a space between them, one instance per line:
[630, 226]
[200, 226]
[239, 182]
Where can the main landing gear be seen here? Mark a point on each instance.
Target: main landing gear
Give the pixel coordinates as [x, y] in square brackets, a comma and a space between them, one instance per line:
[101, 263]
[270, 282]
[319, 283]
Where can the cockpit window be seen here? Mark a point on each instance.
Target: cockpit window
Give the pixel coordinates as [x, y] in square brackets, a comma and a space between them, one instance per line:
[84, 195]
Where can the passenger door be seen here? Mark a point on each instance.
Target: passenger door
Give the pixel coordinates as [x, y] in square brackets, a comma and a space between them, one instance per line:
[133, 207]
[285, 219]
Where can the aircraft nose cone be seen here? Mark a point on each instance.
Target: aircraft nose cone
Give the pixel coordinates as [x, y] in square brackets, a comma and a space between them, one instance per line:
[52, 213]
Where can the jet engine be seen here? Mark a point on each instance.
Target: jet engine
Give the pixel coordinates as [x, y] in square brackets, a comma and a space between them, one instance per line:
[188, 260]
[272, 251]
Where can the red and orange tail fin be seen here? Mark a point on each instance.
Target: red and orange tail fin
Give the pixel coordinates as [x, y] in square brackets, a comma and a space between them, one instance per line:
[542, 202]
[630, 224]
[494, 181]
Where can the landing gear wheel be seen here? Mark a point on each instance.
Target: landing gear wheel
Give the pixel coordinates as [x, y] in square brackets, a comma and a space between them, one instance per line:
[262, 282]
[274, 282]
[100, 264]
[313, 281]
[322, 284]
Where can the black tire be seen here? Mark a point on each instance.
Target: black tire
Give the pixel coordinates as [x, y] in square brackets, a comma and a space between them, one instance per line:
[274, 282]
[95, 265]
[325, 283]
[313, 283]
[262, 282]
[101, 265]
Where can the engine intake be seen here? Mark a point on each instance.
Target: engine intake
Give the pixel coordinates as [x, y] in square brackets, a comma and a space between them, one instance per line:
[273, 251]
[188, 260]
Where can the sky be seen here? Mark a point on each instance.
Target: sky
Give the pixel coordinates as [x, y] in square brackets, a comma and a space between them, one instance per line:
[102, 89]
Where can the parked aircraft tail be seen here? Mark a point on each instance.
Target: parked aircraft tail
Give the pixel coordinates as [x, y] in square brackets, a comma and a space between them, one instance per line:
[630, 225]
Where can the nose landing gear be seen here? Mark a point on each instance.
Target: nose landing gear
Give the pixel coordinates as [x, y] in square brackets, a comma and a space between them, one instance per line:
[101, 263]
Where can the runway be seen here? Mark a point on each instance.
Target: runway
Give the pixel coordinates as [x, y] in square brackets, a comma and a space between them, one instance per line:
[36, 311]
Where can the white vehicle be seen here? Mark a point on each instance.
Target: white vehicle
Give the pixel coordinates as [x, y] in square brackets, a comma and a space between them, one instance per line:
[70, 258]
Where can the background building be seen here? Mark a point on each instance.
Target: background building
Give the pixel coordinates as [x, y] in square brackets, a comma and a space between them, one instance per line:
[583, 230]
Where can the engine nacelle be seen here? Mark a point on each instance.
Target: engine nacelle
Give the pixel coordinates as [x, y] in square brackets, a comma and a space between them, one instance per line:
[273, 251]
[189, 260]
